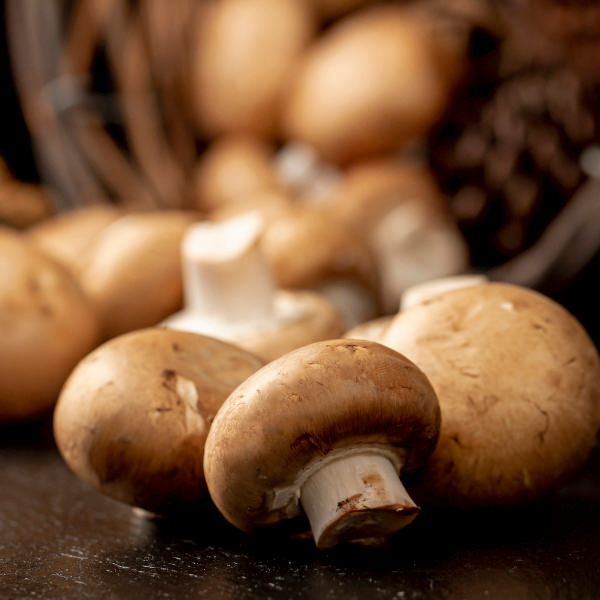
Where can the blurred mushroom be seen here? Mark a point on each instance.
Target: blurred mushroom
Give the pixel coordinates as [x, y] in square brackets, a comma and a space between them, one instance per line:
[518, 380]
[68, 236]
[308, 248]
[375, 81]
[231, 294]
[394, 204]
[133, 270]
[47, 326]
[422, 292]
[231, 168]
[244, 58]
[133, 416]
[325, 431]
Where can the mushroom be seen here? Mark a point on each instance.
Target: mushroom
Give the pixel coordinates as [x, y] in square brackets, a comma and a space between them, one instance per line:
[47, 324]
[231, 294]
[323, 431]
[68, 236]
[394, 204]
[372, 83]
[133, 416]
[244, 57]
[309, 249]
[231, 168]
[420, 292]
[518, 381]
[132, 271]
[372, 329]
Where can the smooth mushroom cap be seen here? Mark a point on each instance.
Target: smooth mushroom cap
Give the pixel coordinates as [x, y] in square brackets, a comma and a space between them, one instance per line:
[304, 317]
[307, 248]
[133, 271]
[244, 59]
[47, 326]
[68, 236]
[518, 380]
[230, 292]
[372, 329]
[285, 419]
[134, 414]
[371, 83]
[231, 168]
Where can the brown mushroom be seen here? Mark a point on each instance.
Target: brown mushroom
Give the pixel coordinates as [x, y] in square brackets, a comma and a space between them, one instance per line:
[307, 248]
[133, 416]
[244, 58]
[518, 380]
[231, 168]
[373, 82]
[47, 325]
[231, 294]
[68, 236]
[323, 431]
[132, 272]
[395, 205]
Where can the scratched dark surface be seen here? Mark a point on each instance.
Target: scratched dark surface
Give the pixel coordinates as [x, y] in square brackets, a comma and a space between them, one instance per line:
[59, 539]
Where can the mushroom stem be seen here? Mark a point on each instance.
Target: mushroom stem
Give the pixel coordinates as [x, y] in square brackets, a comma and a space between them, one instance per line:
[355, 497]
[225, 275]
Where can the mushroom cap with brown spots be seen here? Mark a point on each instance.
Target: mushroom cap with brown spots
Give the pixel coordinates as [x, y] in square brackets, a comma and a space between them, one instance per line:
[518, 380]
[133, 416]
[298, 409]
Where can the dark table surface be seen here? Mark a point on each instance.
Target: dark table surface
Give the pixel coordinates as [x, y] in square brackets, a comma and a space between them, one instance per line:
[61, 539]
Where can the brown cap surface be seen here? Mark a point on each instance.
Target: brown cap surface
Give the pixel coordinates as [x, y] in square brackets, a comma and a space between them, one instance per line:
[47, 325]
[133, 271]
[518, 380]
[295, 411]
[133, 417]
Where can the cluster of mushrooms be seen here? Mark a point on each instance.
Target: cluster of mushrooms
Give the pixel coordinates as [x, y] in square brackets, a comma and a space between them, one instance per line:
[305, 347]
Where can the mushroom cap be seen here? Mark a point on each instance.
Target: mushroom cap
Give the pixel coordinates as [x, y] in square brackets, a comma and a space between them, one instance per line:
[231, 168]
[245, 55]
[68, 236]
[299, 318]
[133, 270]
[518, 380]
[47, 326]
[371, 83]
[133, 416]
[291, 414]
[305, 317]
[307, 246]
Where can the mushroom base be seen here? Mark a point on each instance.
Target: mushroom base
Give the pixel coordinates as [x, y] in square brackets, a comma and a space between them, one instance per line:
[356, 497]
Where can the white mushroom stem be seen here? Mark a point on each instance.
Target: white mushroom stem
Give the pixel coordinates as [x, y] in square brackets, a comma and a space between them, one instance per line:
[356, 496]
[225, 275]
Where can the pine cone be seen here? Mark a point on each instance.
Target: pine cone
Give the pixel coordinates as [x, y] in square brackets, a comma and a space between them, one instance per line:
[508, 150]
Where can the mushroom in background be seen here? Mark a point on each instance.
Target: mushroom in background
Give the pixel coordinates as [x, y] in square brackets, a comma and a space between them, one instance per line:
[47, 324]
[326, 432]
[231, 293]
[395, 206]
[132, 271]
[133, 416]
[374, 82]
[421, 292]
[68, 236]
[309, 249]
[518, 381]
[232, 168]
[244, 59]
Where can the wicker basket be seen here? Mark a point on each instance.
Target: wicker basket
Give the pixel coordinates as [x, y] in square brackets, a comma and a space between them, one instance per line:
[103, 90]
